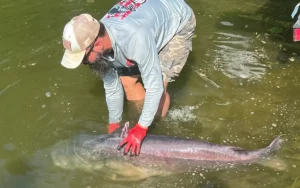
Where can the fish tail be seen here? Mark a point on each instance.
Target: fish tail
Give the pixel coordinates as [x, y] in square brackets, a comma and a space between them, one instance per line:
[273, 146]
[273, 162]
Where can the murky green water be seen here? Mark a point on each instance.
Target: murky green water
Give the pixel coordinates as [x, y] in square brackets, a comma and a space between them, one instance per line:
[240, 87]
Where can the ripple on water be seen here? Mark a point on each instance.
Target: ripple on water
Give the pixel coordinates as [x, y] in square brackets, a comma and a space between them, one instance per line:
[9, 147]
[238, 56]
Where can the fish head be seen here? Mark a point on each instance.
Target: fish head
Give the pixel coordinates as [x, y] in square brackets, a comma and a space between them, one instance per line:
[85, 152]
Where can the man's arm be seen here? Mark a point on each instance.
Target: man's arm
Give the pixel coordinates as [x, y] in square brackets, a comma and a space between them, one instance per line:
[142, 49]
[114, 96]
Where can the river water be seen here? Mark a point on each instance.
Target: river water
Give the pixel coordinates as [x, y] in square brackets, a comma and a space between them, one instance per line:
[240, 87]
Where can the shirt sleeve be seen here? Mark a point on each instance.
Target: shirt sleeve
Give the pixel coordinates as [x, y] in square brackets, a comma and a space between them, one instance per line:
[114, 95]
[142, 49]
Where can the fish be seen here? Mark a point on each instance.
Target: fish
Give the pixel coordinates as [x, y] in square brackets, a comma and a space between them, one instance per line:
[159, 155]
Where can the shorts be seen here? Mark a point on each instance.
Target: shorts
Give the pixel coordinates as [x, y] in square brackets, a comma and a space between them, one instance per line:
[174, 55]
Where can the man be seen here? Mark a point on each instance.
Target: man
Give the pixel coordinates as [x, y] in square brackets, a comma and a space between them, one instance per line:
[150, 39]
[296, 27]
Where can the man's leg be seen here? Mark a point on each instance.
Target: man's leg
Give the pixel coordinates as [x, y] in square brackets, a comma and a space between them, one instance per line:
[135, 94]
[133, 88]
[173, 58]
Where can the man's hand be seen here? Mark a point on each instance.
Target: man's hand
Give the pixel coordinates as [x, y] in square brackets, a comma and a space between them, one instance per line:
[134, 139]
[112, 127]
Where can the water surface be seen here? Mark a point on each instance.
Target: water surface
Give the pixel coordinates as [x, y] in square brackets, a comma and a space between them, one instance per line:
[239, 87]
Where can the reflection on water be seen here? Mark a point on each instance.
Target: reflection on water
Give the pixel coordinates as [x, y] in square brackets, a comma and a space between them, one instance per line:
[237, 56]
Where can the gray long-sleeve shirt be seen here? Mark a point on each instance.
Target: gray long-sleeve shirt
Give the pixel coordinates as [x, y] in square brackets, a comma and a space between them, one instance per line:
[138, 30]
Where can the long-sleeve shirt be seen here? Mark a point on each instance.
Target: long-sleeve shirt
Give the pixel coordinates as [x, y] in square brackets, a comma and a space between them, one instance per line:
[138, 30]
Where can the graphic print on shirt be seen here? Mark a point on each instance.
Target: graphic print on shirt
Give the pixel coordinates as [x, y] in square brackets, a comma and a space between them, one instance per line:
[124, 8]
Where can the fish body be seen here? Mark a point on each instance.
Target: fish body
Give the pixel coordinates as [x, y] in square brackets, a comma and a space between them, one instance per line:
[160, 155]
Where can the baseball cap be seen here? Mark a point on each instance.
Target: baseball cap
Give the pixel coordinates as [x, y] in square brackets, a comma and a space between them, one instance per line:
[78, 34]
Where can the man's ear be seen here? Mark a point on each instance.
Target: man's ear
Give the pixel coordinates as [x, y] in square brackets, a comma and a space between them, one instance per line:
[99, 42]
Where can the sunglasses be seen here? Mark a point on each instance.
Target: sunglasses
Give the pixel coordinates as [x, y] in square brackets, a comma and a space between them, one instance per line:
[85, 60]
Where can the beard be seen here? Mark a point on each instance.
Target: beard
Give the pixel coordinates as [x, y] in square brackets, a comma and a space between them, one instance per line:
[101, 66]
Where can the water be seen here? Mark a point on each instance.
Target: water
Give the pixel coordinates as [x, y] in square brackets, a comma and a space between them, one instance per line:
[240, 87]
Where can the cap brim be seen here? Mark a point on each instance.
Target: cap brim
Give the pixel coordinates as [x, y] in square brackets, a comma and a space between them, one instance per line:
[72, 60]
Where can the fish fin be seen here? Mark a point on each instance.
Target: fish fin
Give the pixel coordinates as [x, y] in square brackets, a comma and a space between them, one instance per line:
[125, 130]
[274, 163]
[273, 146]
[239, 150]
[124, 171]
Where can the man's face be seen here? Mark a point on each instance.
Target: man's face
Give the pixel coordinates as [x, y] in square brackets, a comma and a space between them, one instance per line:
[94, 58]
[95, 52]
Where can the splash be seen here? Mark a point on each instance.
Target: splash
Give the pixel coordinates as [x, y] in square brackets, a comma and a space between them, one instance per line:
[182, 114]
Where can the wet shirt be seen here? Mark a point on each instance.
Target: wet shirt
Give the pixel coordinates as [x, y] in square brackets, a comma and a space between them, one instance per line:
[138, 30]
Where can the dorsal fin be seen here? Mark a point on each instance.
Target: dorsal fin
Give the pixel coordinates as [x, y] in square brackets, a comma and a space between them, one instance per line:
[239, 150]
[125, 130]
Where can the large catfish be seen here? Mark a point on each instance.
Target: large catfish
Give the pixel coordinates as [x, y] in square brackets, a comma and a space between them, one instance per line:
[160, 155]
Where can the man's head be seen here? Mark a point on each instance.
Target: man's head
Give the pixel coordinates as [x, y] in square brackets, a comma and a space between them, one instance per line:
[79, 34]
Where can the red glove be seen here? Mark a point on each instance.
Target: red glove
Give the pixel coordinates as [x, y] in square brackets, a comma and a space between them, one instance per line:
[134, 139]
[112, 127]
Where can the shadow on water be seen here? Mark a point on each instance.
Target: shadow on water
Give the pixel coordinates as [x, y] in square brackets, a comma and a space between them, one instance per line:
[273, 17]
[273, 20]
[277, 21]
[276, 18]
